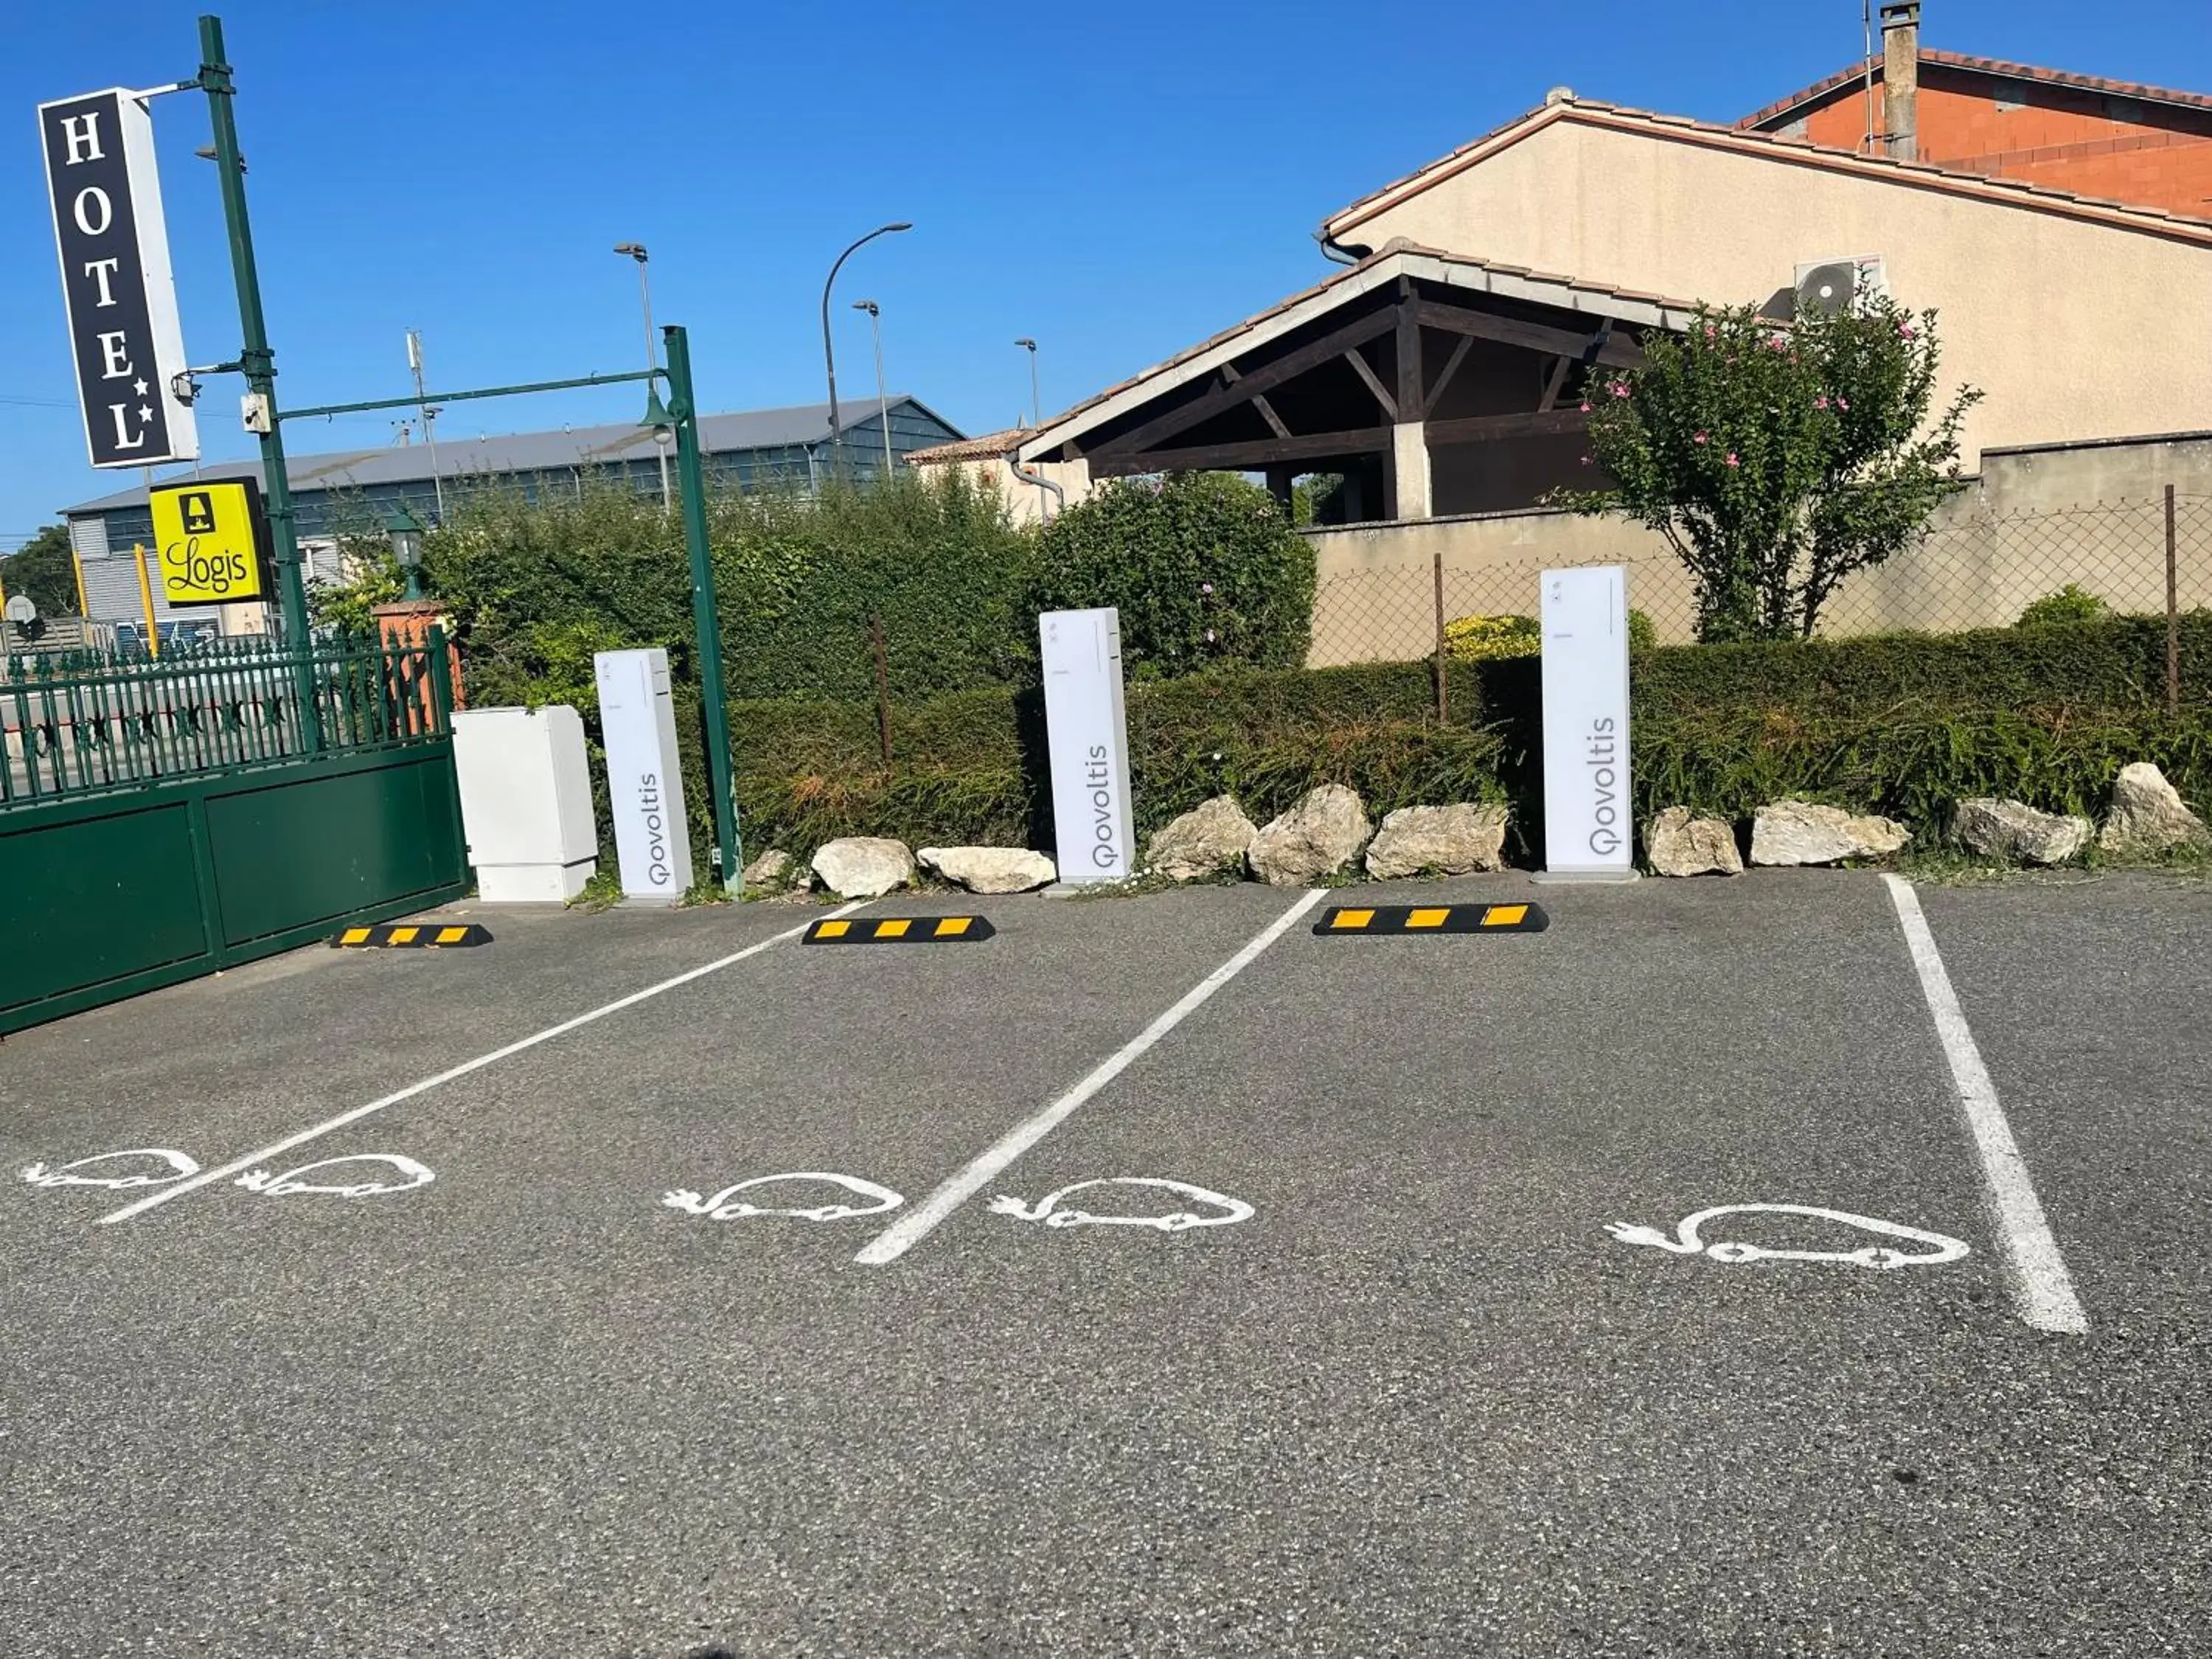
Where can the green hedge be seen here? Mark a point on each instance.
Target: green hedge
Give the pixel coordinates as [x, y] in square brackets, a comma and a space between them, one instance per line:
[971, 768]
[2116, 664]
[1903, 725]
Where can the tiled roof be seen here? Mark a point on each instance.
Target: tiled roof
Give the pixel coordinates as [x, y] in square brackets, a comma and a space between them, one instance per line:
[1921, 175]
[1857, 74]
[1570, 288]
[989, 446]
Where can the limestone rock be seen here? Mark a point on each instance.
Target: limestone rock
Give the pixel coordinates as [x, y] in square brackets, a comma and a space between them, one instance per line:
[990, 869]
[1321, 834]
[1798, 832]
[864, 866]
[2147, 815]
[768, 872]
[1210, 838]
[1454, 841]
[1679, 843]
[2014, 830]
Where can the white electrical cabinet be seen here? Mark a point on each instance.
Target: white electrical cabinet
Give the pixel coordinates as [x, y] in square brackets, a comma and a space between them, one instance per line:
[525, 803]
[645, 774]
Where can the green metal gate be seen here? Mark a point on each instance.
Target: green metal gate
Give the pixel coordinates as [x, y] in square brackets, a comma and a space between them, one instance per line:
[161, 820]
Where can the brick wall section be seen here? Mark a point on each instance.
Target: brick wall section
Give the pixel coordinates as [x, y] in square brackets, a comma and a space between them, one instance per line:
[2152, 155]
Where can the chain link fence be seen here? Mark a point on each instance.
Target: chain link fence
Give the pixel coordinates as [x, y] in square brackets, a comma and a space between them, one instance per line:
[1981, 571]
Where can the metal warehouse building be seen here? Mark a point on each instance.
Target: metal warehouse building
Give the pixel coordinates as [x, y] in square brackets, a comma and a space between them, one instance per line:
[350, 490]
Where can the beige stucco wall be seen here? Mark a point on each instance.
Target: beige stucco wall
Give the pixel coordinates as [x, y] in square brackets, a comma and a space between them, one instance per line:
[1025, 502]
[2075, 330]
[2033, 522]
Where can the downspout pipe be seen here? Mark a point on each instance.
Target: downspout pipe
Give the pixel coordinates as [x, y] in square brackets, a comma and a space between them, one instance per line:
[1023, 476]
[1342, 253]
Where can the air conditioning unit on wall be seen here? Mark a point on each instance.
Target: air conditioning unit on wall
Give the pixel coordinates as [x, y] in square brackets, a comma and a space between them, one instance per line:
[1826, 286]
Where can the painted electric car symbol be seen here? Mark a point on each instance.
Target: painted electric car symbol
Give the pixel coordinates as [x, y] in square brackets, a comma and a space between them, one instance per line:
[1688, 1239]
[727, 1205]
[411, 1176]
[1229, 1211]
[160, 1166]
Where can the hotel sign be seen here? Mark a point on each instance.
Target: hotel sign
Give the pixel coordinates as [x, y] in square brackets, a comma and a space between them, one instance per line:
[116, 282]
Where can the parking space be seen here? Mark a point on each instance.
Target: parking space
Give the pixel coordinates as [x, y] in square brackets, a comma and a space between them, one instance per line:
[1632, 1285]
[2091, 999]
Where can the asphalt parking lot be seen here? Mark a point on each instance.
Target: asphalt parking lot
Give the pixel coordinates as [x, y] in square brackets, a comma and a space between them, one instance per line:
[1169, 1279]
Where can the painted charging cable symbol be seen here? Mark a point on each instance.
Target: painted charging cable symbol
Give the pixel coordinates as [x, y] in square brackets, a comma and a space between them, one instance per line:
[1688, 1239]
[1047, 1210]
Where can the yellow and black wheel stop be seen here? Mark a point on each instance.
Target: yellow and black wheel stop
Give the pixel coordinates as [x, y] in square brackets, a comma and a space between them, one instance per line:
[1349, 921]
[412, 936]
[900, 930]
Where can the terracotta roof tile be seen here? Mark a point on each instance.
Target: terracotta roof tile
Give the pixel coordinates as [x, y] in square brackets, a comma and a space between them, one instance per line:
[1857, 74]
[984, 448]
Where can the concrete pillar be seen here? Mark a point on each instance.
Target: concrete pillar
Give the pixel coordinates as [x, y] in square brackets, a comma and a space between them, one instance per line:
[1409, 470]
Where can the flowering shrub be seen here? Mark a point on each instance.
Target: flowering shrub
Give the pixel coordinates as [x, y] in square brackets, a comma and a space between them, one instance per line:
[1203, 567]
[1778, 458]
[1481, 639]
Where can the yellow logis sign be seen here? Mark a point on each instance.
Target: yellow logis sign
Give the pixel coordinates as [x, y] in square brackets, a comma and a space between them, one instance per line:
[208, 537]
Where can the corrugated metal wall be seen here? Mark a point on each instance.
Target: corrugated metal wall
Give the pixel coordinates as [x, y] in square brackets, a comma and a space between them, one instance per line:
[112, 592]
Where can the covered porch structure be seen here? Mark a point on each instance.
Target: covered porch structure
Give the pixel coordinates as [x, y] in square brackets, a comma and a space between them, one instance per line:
[1431, 384]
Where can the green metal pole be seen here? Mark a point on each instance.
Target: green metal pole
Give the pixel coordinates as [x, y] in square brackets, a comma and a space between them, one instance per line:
[706, 615]
[258, 363]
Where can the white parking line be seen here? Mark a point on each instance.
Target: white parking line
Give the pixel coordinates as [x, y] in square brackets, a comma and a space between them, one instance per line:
[276, 1148]
[2043, 1291]
[918, 1223]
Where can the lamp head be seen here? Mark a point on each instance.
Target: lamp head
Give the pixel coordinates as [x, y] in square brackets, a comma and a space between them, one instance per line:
[1026, 344]
[635, 250]
[405, 531]
[868, 306]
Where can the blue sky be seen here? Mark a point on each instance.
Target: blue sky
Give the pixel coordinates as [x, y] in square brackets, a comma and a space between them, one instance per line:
[1117, 181]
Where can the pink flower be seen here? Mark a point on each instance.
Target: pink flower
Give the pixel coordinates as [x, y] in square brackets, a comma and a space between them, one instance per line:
[1732, 459]
[1905, 331]
[1586, 409]
[1586, 460]
[1710, 331]
[1619, 388]
[1820, 402]
[1843, 403]
[1776, 342]
[1206, 587]
[1697, 437]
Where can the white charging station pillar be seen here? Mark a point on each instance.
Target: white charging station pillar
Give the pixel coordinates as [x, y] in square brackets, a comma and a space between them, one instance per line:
[645, 778]
[1589, 828]
[525, 803]
[1088, 739]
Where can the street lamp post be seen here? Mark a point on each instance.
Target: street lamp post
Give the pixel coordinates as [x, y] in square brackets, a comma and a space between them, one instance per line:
[258, 363]
[656, 413]
[883, 397]
[829, 350]
[1037, 411]
[1037, 407]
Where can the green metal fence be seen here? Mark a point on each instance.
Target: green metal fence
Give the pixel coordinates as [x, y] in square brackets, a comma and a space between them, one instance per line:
[163, 819]
[83, 722]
